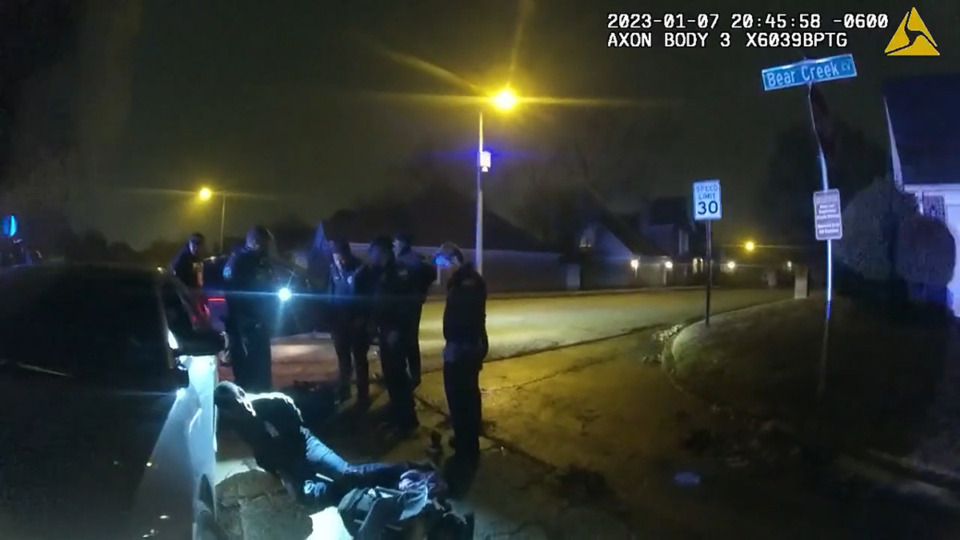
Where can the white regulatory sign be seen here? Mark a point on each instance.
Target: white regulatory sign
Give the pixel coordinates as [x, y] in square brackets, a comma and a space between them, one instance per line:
[827, 215]
[706, 200]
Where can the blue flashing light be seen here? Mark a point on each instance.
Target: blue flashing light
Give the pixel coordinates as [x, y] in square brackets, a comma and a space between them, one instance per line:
[9, 226]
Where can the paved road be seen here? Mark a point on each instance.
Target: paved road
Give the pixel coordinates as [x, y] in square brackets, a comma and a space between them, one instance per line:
[524, 325]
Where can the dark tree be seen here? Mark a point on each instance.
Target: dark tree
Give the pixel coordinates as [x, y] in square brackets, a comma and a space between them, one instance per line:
[785, 201]
[605, 164]
[292, 233]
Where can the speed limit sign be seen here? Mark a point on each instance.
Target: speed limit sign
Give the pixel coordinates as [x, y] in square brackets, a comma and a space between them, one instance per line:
[706, 200]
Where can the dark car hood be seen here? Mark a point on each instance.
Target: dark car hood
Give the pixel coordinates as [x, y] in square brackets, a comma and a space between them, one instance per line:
[74, 457]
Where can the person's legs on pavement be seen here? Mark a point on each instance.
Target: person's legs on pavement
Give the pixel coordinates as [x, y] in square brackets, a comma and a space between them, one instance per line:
[472, 409]
[360, 347]
[259, 359]
[454, 399]
[398, 385]
[413, 346]
[238, 358]
[325, 461]
[342, 346]
[461, 385]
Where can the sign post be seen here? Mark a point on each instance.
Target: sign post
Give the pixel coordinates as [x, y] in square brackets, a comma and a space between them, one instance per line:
[829, 226]
[707, 207]
[806, 73]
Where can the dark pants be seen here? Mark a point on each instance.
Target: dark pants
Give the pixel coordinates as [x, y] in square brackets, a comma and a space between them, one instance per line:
[410, 343]
[340, 476]
[461, 383]
[397, 380]
[351, 343]
[250, 356]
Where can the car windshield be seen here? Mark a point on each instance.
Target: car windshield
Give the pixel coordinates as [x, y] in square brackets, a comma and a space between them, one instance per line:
[72, 323]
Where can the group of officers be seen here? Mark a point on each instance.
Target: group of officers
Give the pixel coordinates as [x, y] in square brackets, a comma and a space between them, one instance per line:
[380, 301]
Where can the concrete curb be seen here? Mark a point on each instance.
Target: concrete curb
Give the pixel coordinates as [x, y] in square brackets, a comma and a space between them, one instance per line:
[896, 473]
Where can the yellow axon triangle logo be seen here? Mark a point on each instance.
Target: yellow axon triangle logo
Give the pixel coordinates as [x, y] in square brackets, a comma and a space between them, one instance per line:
[912, 38]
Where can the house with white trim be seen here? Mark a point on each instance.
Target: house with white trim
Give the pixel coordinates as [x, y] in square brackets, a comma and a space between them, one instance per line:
[923, 120]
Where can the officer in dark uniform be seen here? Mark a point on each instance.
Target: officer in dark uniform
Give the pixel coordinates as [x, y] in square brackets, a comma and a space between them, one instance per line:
[349, 321]
[389, 295]
[250, 295]
[419, 274]
[465, 333]
[188, 264]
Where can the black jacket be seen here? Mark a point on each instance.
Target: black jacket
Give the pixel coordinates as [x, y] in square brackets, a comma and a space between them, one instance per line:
[465, 313]
[390, 296]
[248, 278]
[347, 289]
[420, 274]
[275, 433]
[188, 267]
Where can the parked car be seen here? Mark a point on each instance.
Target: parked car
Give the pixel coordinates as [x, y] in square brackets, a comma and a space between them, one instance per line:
[298, 301]
[106, 387]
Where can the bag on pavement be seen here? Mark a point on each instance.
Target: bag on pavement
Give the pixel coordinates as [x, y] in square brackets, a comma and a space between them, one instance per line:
[374, 513]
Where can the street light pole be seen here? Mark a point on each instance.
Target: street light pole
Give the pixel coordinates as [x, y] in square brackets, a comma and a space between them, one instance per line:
[478, 249]
[223, 219]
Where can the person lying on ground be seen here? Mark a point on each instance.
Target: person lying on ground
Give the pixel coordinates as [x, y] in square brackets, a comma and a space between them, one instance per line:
[271, 424]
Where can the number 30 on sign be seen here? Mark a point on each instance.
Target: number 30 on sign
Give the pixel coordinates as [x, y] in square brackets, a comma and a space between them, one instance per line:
[706, 200]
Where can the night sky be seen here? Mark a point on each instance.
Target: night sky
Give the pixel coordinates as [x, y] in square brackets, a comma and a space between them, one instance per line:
[298, 100]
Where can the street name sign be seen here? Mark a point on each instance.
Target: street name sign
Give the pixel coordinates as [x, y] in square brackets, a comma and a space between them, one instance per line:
[706, 200]
[827, 216]
[809, 72]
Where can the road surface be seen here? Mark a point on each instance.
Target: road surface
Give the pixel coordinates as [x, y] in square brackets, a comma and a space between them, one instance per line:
[524, 325]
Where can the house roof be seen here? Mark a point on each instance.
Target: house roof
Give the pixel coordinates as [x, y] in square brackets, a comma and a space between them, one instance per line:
[632, 239]
[434, 215]
[670, 211]
[924, 113]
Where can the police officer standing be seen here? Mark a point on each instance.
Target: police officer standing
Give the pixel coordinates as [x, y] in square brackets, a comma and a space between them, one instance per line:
[188, 264]
[465, 333]
[188, 267]
[249, 282]
[419, 274]
[349, 321]
[389, 296]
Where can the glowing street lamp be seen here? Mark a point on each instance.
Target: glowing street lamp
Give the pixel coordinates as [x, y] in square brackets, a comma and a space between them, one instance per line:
[731, 265]
[505, 100]
[205, 194]
[749, 245]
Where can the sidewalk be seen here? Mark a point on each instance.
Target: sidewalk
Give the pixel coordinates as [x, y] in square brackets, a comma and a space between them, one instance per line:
[887, 389]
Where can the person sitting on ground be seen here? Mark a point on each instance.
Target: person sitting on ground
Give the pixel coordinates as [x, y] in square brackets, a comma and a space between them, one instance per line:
[271, 424]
